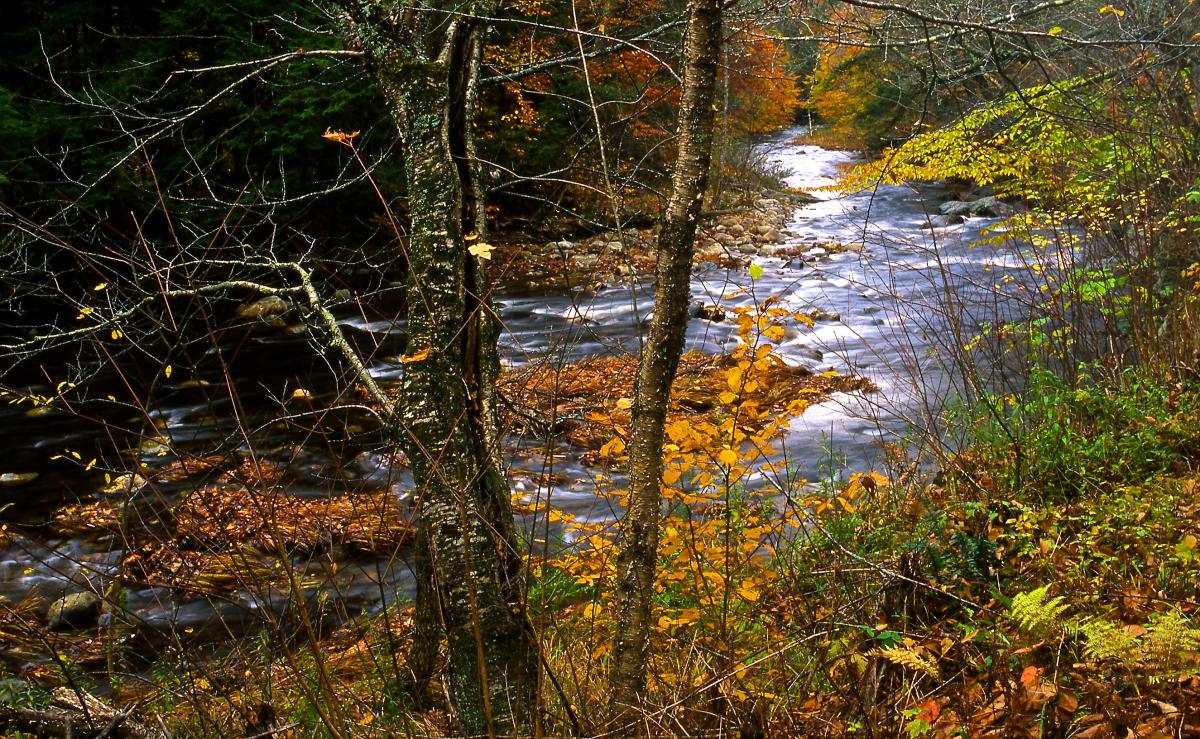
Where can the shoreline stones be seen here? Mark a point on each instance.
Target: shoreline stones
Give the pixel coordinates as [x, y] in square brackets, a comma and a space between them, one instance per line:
[728, 239]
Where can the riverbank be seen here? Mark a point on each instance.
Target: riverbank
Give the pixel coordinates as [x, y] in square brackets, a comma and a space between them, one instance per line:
[728, 239]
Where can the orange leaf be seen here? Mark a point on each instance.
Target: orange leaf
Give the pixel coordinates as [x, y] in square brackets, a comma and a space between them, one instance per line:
[1030, 676]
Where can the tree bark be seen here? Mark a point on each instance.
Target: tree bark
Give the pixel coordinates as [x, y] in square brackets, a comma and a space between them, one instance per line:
[659, 360]
[426, 60]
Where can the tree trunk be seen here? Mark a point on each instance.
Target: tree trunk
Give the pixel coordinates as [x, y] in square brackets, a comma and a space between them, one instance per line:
[659, 360]
[427, 63]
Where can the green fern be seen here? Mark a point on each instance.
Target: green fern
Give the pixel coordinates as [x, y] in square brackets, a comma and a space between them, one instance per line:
[1037, 614]
[1167, 648]
[1172, 644]
[1105, 640]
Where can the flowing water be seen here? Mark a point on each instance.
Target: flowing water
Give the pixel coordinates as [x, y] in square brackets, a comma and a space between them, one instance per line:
[883, 316]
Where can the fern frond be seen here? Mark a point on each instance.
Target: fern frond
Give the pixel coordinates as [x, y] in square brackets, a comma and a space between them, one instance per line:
[909, 658]
[1105, 640]
[1036, 613]
[1172, 641]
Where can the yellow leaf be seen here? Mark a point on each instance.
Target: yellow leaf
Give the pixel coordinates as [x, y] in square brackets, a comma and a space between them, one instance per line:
[727, 397]
[671, 476]
[616, 446]
[1055, 31]
[727, 456]
[829, 375]
[483, 250]
[592, 610]
[419, 356]
[340, 137]
[734, 378]
[167, 371]
[748, 593]
[624, 403]
[678, 431]
[117, 333]
[101, 286]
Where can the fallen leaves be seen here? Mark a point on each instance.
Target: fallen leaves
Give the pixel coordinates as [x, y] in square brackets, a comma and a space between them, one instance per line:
[590, 398]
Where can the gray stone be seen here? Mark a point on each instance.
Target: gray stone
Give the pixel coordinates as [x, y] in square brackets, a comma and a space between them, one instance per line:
[74, 611]
[940, 221]
[955, 208]
[986, 207]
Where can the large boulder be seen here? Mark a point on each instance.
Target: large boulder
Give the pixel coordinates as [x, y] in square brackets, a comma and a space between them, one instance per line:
[985, 207]
[955, 208]
[74, 611]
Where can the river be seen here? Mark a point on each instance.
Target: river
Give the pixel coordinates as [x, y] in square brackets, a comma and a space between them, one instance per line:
[885, 317]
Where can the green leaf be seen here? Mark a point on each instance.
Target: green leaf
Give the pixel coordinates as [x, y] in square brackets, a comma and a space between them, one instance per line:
[756, 271]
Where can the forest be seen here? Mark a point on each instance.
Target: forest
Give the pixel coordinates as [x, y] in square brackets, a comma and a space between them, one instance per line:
[821, 368]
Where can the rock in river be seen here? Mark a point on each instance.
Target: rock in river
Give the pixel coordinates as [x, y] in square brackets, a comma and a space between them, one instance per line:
[75, 611]
[714, 313]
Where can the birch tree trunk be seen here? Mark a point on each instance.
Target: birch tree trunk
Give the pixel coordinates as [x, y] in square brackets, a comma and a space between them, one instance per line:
[636, 558]
[426, 59]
